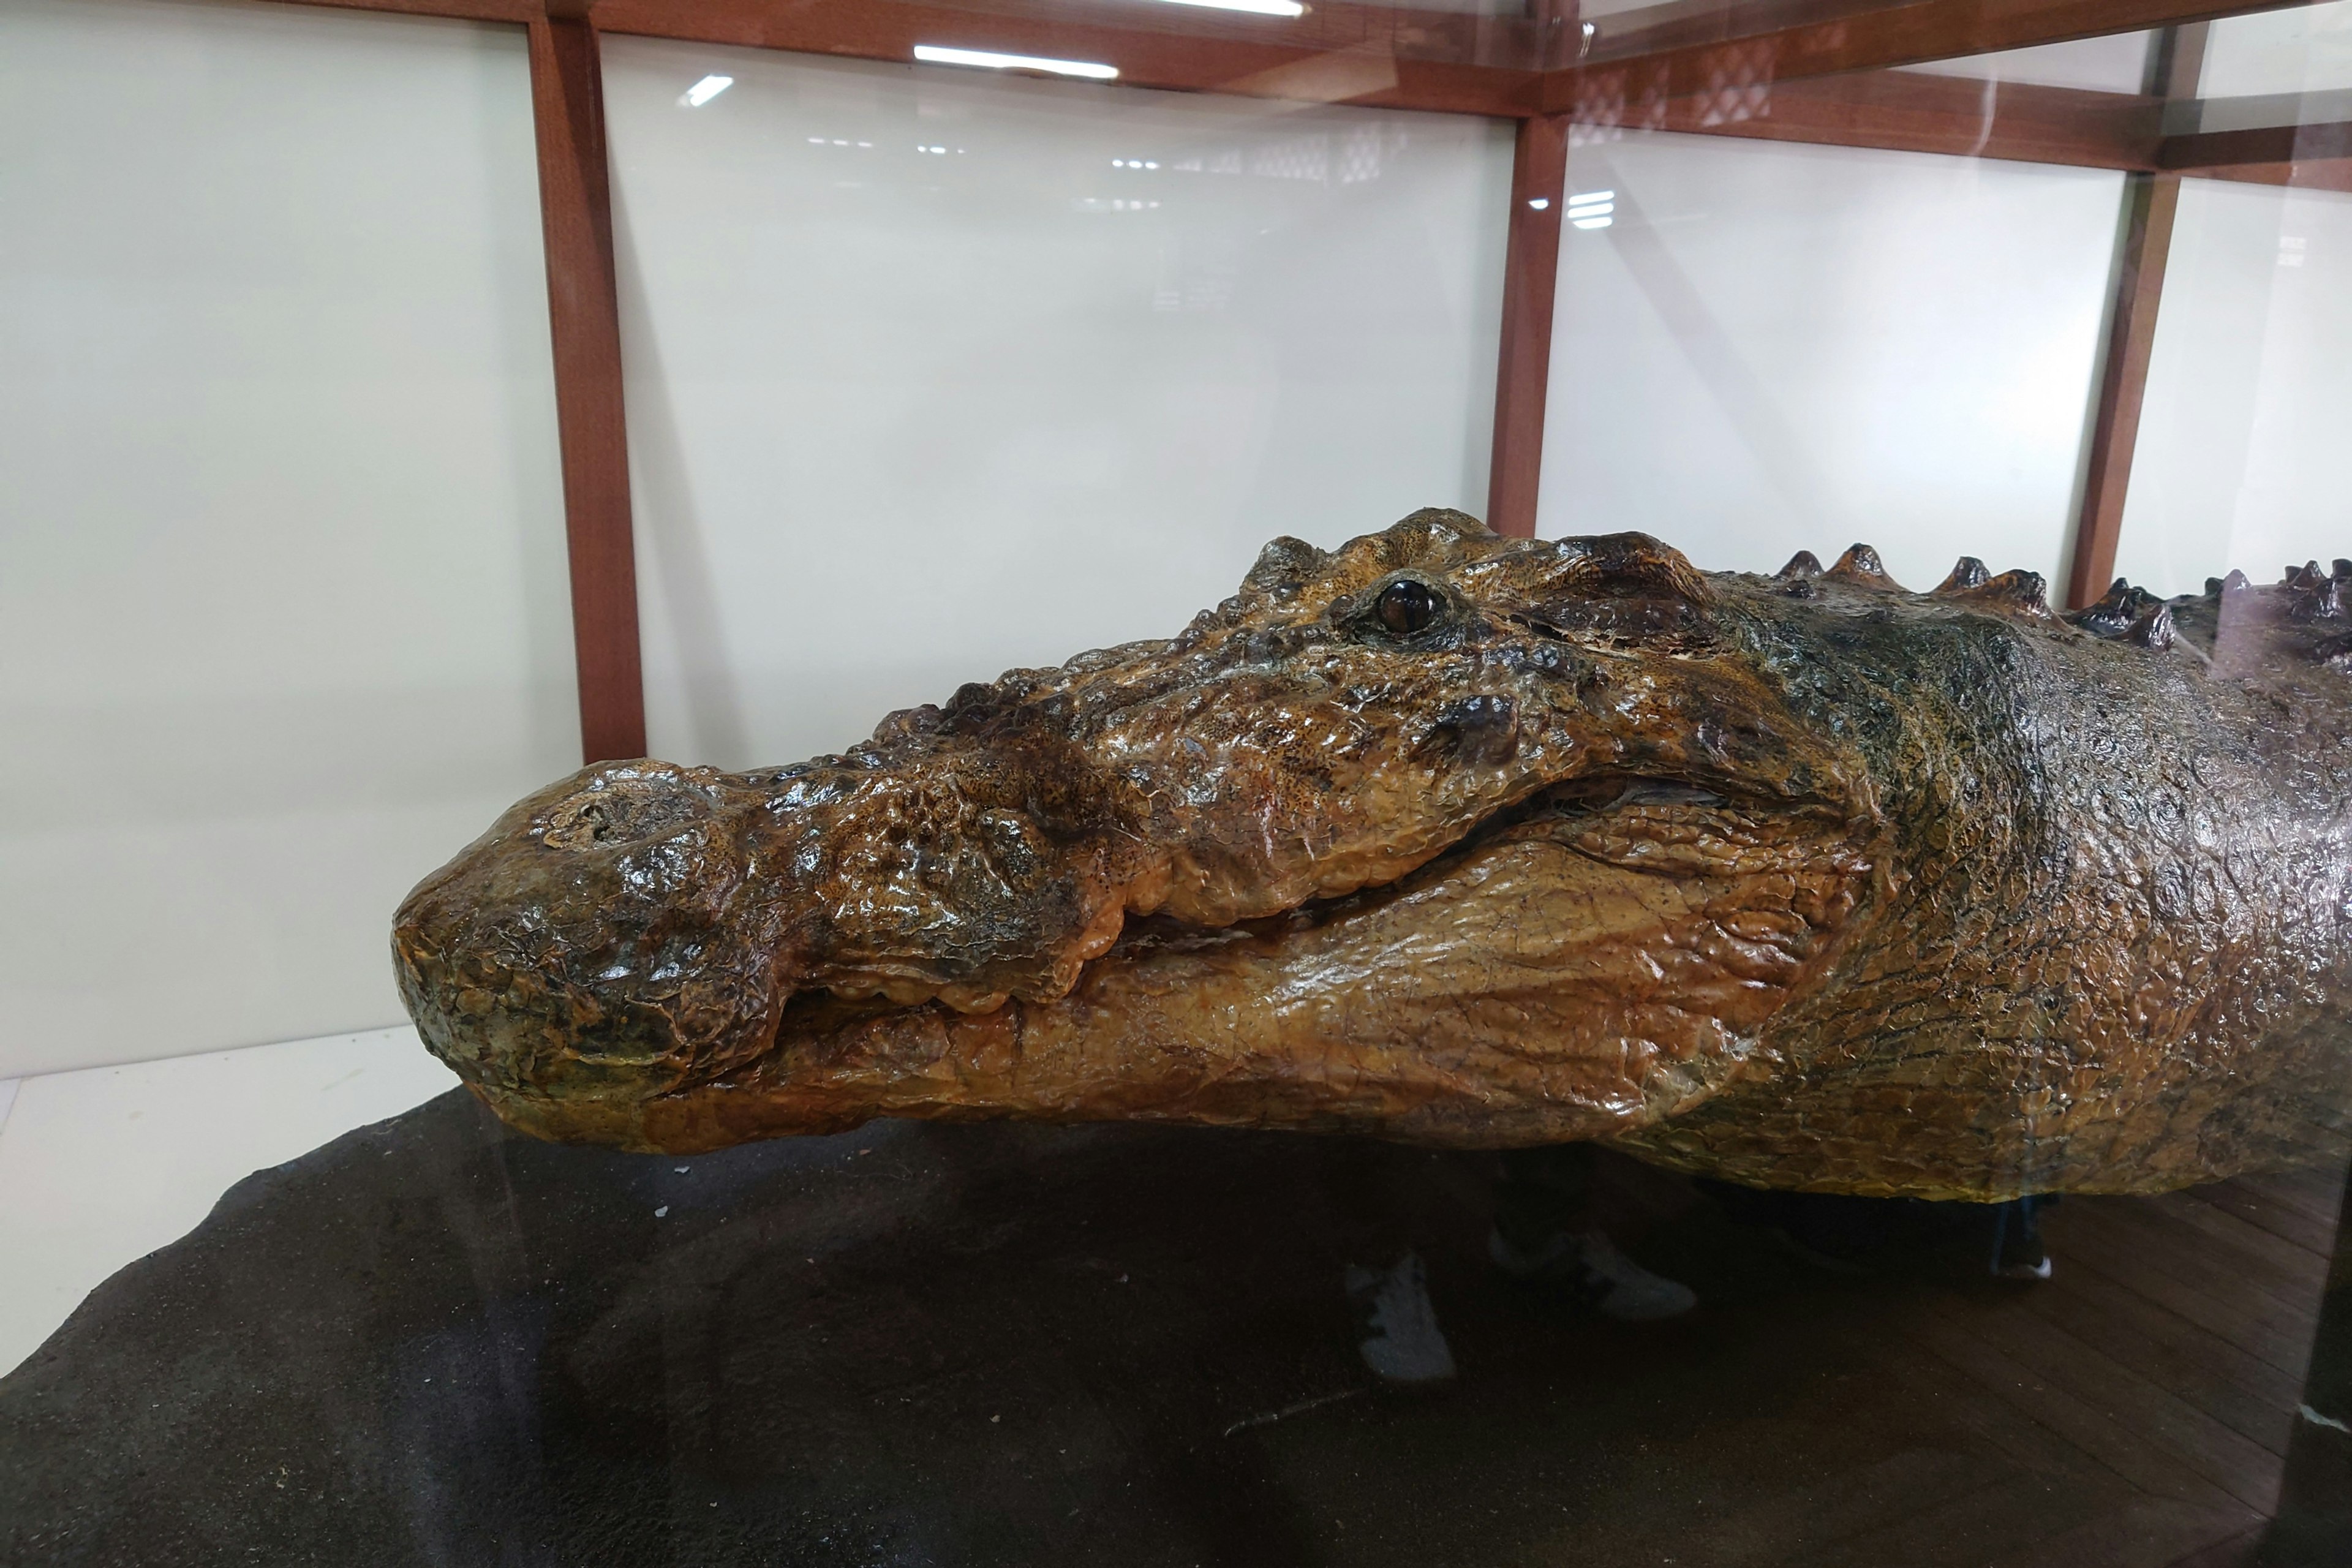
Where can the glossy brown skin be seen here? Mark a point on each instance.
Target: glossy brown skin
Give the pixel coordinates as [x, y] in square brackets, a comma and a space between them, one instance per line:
[1804, 881]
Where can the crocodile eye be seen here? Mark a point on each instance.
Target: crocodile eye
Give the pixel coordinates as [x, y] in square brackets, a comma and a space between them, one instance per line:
[1405, 607]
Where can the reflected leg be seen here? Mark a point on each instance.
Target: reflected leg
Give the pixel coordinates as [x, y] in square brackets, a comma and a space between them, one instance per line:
[1544, 1235]
[1382, 1207]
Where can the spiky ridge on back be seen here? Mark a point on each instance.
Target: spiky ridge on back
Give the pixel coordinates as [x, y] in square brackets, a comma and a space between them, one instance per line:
[2302, 614]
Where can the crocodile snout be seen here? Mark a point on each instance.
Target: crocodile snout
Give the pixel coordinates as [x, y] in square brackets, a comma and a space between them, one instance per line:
[604, 935]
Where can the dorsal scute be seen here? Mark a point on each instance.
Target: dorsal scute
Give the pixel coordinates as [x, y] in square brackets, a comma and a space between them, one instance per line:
[1802, 564]
[2316, 598]
[2153, 628]
[1860, 565]
[1967, 573]
[2011, 593]
[2115, 613]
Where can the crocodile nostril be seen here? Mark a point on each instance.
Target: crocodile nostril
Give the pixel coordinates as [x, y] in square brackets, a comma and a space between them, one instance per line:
[617, 810]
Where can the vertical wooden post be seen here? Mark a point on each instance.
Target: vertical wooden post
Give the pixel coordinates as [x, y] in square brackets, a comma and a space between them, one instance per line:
[2150, 200]
[575, 204]
[2149, 203]
[1523, 368]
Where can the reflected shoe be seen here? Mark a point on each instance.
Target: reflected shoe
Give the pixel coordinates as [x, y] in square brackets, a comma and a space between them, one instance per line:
[2017, 1249]
[1601, 1276]
[1402, 1342]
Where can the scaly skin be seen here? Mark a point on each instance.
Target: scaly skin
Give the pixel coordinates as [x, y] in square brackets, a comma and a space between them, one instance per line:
[1805, 881]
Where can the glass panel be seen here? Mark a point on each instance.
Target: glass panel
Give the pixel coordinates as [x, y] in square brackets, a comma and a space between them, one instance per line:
[2242, 443]
[2299, 50]
[1830, 1067]
[284, 617]
[2116, 63]
[1767, 348]
[1013, 368]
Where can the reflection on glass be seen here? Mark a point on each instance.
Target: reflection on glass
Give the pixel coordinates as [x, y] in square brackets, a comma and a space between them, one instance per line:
[1091, 70]
[1255, 7]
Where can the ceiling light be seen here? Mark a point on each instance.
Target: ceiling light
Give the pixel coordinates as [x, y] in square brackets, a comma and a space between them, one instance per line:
[1255, 7]
[935, 55]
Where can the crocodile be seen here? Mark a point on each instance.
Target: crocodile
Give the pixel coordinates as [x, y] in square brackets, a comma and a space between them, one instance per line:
[1804, 881]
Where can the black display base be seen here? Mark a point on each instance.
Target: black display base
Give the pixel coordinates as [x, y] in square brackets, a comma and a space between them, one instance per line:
[433, 1341]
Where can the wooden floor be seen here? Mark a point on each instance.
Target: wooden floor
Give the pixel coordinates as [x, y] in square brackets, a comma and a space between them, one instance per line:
[1026, 1346]
[2135, 1409]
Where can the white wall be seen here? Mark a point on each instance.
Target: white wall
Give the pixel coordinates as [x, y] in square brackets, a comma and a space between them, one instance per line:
[902, 419]
[2305, 49]
[2115, 63]
[282, 599]
[1777, 347]
[2242, 458]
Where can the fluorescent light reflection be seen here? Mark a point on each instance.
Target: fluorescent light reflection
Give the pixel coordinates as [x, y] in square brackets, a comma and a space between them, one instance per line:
[1254, 8]
[1592, 209]
[1540, 203]
[706, 89]
[1090, 70]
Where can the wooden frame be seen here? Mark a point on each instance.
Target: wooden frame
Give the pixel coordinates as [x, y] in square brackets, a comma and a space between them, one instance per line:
[2150, 200]
[1523, 361]
[2149, 203]
[1796, 70]
[584, 321]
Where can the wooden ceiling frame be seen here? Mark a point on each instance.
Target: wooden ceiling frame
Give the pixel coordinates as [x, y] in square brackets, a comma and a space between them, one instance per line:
[1819, 71]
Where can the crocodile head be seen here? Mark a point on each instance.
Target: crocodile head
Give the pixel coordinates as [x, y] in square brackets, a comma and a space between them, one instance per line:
[1450, 836]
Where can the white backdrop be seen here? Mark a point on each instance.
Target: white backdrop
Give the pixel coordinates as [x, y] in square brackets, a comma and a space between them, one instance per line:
[901, 419]
[2243, 458]
[931, 373]
[283, 617]
[1776, 347]
[2304, 49]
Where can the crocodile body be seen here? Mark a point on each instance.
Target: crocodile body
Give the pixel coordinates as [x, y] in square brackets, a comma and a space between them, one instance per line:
[1804, 881]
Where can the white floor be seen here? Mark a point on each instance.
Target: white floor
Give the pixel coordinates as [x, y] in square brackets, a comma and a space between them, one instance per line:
[103, 1166]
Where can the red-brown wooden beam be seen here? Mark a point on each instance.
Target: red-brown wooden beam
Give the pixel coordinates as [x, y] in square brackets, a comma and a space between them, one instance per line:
[2317, 156]
[1523, 367]
[518, 11]
[1838, 38]
[2215, 149]
[1915, 111]
[1367, 54]
[576, 204]
[1666, 61]
[2151, 201]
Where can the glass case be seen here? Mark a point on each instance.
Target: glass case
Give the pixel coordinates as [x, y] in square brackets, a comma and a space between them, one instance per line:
[1640, 1013]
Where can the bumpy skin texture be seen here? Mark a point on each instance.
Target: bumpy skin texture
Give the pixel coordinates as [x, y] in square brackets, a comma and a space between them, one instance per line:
[1805, 881]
